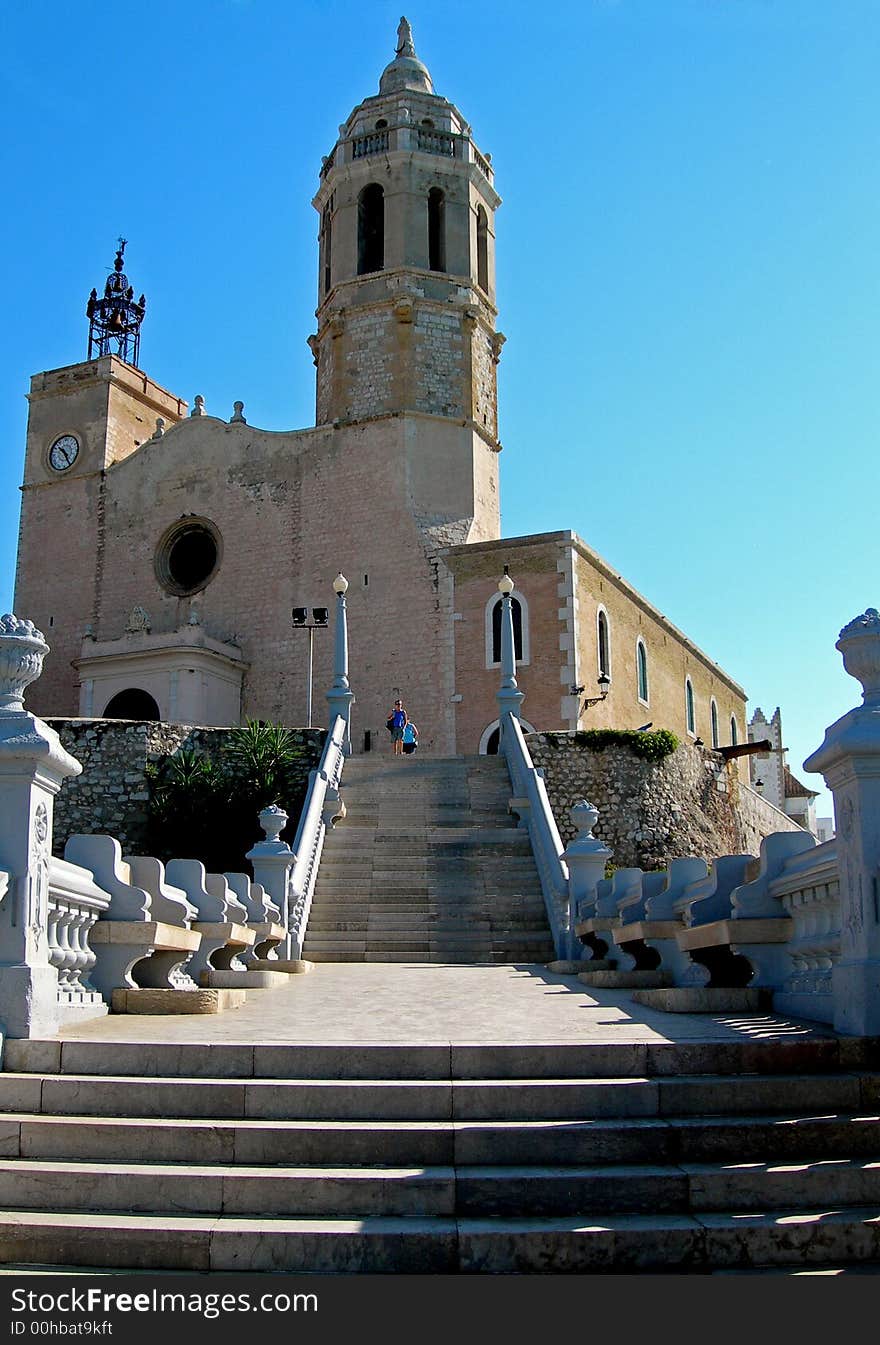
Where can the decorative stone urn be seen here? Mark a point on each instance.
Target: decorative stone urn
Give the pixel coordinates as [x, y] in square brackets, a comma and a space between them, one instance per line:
[859, 644]
[273, 820]
[22, 650]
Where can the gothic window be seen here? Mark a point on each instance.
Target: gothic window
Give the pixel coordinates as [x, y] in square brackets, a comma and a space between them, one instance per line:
[519, 610]
[371, 229]
[713, 715]
[132, 704]
[482, 249]
[689, 711]
[436, 230]
[734, 737]
[642, 670]
[603, 642]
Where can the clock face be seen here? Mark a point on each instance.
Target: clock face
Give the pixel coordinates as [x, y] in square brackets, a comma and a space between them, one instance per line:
[63, 453]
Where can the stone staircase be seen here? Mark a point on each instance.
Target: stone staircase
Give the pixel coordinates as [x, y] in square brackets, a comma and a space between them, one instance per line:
[690, 1157]
[427, 865]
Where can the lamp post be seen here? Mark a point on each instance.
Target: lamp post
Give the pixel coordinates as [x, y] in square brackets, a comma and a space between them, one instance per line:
[300, 621]
[340, 696]
[508, 695]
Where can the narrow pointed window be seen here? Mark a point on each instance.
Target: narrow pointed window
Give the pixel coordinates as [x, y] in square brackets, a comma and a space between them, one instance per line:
[690, 712]
[714, 718]
[642, 671]
[436, 230]
[604, 644]
[371, 229]
[482, 249]
[734, 736]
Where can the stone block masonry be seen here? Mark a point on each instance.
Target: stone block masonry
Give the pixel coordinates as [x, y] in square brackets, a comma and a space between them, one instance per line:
[651, 812]
[111, 795]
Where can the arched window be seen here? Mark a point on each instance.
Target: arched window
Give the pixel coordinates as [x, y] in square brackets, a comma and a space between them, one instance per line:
[713, 715]
[689, 711]
[603, 642]
[519, 610]
[132, 704]
[436, 230]
[516, 613]
[482, 249]
[642, 670]
[371, 229]
[734, 736]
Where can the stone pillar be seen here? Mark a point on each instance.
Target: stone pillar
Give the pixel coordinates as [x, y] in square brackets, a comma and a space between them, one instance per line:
[508, 695]
[586, 858]
[340, 696]
[33, 766]
[849, 759]
[272, 860]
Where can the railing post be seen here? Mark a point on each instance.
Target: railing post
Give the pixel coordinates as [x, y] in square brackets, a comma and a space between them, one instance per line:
[508, 695]
[849, 760]
[586, 858]
[272, 860]
[33, 766]
[340, 696]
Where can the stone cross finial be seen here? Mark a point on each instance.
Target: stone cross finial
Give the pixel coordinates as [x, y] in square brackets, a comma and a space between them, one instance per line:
[405, 46]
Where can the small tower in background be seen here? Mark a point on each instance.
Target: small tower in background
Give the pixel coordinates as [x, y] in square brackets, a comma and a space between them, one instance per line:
[115, 321]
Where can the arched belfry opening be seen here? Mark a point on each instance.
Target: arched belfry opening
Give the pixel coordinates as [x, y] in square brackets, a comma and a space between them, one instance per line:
[482, 249]
[371, 229]
[436, 229]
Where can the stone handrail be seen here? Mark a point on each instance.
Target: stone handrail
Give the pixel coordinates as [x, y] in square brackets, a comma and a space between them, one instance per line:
[530, 801]
[322, 805]
[76, 902]
[809, 891]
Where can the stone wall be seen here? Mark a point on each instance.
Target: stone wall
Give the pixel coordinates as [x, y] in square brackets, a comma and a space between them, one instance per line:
[111, 795]
[691, 803]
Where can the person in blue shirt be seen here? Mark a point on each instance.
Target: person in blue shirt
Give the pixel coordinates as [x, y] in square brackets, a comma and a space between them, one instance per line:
[397, 722]
[410, 738]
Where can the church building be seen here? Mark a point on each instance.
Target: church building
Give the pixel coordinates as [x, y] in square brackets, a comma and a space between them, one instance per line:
[163, 551]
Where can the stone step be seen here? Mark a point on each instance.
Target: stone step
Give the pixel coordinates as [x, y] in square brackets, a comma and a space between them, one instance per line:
[561, 1244]
[476, 1191]
[434, 1099]
[776, 1139]
[815, 1055]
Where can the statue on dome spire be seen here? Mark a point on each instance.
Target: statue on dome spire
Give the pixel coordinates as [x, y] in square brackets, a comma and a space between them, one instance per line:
[405, 45]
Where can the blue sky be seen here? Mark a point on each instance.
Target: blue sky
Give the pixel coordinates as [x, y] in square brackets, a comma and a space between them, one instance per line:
[688, 273]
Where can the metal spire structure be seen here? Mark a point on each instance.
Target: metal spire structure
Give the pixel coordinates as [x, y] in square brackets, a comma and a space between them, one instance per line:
[115, 321]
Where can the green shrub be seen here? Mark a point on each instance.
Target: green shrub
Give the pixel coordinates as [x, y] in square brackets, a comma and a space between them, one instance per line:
[206, 807]
[652, 746]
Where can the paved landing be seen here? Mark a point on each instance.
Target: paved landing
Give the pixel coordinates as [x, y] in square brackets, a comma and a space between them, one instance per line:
[427, 1003]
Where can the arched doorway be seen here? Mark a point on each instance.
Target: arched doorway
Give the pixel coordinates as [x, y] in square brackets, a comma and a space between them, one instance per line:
[132, 704]
[491, 736]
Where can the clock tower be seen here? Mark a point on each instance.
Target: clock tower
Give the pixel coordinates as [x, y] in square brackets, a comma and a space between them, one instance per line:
[81, 420]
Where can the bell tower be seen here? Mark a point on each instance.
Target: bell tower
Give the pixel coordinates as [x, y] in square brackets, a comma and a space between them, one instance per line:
[406, 282]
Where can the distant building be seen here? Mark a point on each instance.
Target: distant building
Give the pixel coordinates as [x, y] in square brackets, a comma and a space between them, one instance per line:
[769, 773]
